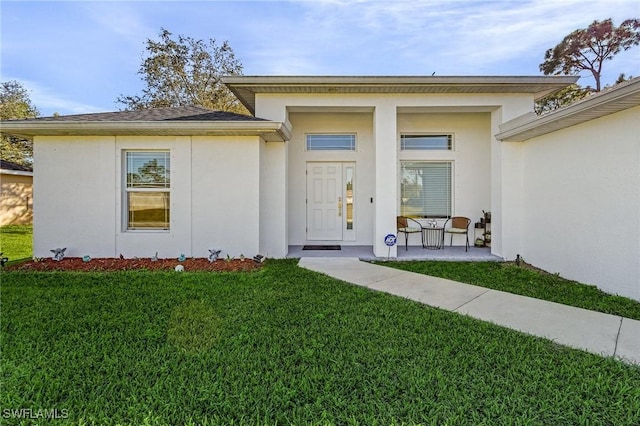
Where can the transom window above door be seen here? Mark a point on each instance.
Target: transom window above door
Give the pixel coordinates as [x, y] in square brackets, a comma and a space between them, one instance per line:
[425, 142]
[331, 142]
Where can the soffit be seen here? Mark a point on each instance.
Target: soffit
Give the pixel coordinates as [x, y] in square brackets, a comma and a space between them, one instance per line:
[246, 87]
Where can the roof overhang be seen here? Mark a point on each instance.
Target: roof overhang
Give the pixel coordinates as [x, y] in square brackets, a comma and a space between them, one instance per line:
[15, 172]
[246, 87]
[618, 98]
[271, 131]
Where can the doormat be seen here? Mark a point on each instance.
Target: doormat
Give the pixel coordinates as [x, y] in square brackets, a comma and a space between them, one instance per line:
[321, 248]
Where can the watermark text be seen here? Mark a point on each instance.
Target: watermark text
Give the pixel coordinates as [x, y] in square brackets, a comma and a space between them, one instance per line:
[30, 413]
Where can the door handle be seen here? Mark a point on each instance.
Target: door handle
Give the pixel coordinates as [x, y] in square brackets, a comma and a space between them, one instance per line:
[339, 206]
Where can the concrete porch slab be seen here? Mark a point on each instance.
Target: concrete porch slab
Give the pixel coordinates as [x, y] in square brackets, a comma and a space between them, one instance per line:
[456, 253]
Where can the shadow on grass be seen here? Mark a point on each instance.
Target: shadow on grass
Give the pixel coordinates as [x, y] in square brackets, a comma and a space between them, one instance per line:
[16, 231]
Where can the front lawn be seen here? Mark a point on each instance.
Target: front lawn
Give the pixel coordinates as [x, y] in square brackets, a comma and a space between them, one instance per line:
[282, 346]
[526, 282]
[16, 242]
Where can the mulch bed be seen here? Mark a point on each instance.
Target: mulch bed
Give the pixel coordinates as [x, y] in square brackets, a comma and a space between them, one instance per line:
[108, 264]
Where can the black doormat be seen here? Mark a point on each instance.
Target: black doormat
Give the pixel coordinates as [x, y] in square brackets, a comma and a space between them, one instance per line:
[321, 248]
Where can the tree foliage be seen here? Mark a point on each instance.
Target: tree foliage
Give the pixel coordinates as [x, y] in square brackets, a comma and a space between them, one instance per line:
[564, 97]
[15, 104]
[185, 71]
[586, 49]
[622, 78]
[150, 173]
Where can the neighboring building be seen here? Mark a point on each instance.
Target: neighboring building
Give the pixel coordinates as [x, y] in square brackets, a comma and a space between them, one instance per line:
[334, 160]
[16, 194]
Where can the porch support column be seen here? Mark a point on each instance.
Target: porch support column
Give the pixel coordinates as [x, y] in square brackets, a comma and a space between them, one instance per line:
[274, 210]
[386, 176]
[506, 192]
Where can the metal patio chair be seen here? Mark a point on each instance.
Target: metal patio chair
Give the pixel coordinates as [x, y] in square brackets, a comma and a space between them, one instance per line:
[408, 228]
[459, 226]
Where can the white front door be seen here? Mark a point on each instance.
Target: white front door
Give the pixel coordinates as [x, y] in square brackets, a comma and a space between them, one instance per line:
[324, 202]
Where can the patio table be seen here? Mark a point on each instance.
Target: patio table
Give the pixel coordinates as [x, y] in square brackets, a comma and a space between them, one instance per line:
[432, 238]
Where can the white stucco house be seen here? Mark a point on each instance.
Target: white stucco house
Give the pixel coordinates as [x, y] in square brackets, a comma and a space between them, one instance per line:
[334, 160]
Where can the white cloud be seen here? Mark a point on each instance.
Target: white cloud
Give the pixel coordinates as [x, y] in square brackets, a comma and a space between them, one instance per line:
[121, 19]
[458, 37]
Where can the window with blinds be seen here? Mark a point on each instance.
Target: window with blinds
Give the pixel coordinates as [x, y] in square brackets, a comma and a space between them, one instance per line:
[331, 142]
[425, 142]
[148, 189]
[425, 189]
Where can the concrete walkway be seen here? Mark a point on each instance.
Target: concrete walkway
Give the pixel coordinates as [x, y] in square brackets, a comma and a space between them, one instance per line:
[595, 332]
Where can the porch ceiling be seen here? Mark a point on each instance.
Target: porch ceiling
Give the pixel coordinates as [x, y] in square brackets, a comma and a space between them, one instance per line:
[246, 87]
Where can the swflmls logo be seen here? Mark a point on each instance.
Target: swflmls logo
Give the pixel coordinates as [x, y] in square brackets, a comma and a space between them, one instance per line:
[28, 413]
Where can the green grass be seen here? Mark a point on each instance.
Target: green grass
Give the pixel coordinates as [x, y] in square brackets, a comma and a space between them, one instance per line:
[16, 242]
[282, 346]
[527, 282]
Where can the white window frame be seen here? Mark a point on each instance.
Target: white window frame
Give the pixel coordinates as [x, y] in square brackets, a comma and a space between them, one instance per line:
[414, 147]
[405, 211]
[351, 147]
[127, 190]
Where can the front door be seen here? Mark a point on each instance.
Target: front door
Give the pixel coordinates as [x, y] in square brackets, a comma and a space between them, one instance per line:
[329, 201]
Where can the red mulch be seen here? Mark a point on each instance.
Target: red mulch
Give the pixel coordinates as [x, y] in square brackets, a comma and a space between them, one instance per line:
[108, 264]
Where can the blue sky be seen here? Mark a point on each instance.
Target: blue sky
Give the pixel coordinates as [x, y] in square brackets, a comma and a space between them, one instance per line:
[79, 56]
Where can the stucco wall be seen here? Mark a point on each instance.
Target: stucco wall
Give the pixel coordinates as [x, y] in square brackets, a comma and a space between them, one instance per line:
[74, 188]
[506, 181]
[274, 202]
[225, 195]
[78, 191]
[16, 199]
[581, 202]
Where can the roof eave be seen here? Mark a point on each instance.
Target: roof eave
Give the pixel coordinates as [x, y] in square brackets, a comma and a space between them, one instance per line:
[389, 80]
[272, 131]
[246, 87]
[15, 172]
[529, 126]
